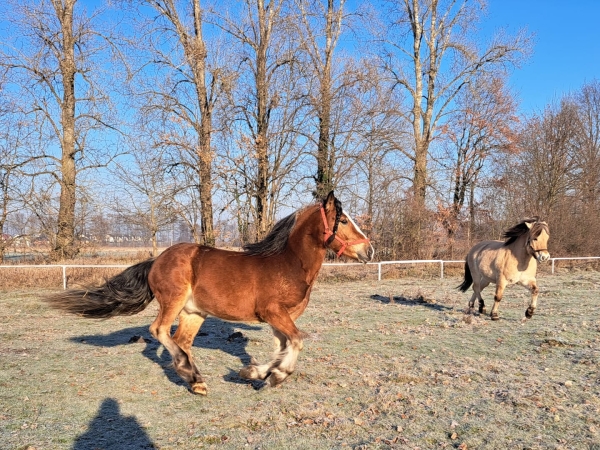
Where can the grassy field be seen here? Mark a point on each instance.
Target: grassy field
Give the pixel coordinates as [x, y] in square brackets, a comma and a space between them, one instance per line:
[391, 364]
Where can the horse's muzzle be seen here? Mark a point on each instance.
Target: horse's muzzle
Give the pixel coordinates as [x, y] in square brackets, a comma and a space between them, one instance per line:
[542, 256]
[366, 256]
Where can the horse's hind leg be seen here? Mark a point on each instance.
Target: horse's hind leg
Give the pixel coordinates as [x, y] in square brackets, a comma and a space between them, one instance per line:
[472, 301]
[189, 324]
[482, 286]
[161, 330]
[477, 288]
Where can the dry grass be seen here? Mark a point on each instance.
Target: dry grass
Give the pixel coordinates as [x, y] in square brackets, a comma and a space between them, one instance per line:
[391, 364]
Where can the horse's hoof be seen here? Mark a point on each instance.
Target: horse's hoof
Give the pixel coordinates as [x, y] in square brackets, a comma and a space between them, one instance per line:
[276, 377]
[250, 372]
[200, 388]
[482, 310]
[529, 313]
[494, 316]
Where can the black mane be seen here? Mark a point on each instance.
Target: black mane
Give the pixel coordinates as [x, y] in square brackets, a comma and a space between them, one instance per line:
[338, 215]
[276, 240]
[521, 229]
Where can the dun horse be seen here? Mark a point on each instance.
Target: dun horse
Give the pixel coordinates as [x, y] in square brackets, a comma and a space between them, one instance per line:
[513, 261]
[270, 281]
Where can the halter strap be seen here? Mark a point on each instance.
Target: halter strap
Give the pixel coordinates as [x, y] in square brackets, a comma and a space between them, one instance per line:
[533, 249]
[328, 233]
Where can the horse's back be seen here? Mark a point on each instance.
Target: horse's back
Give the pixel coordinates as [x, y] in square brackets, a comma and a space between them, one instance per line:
[484, 259]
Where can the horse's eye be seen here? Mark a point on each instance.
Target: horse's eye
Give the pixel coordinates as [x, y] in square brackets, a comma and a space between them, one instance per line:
[344, 221]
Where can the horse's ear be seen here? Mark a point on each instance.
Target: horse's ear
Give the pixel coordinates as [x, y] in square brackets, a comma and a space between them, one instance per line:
[531, 221]
[329, 203]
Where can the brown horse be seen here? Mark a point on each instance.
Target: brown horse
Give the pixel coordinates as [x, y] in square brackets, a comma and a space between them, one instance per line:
[509, 262]
[270, 281]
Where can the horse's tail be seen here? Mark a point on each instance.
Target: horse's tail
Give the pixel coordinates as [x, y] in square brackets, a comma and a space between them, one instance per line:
[124, 294]
[468, 281]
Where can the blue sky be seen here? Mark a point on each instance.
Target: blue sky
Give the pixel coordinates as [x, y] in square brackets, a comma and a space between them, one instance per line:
[566, 51]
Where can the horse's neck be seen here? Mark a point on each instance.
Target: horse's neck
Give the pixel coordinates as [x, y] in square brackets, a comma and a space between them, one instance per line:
[306, 244]
[519, 248]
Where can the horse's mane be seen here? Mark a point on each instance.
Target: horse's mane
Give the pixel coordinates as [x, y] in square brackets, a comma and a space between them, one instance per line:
[338, 215]
[520, 229]
[276, 240]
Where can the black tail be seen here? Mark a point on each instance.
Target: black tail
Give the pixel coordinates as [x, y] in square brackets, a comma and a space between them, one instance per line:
[468, 281]
[124, 294]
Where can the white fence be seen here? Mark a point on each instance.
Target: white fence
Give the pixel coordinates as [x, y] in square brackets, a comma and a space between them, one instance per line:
[64, 267]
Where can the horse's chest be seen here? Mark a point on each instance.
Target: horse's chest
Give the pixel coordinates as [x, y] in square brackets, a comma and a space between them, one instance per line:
[515, 276]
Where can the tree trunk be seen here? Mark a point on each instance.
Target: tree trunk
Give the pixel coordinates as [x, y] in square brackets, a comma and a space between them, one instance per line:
[205, 157]
[325, 156]
[205, 192]
[65, 247]
[262, 118]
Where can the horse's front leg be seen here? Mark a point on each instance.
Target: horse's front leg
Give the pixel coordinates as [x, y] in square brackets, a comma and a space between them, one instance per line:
[500, 285]
[480, 287]
[288, 341]
[284, 361]
[534, 296]
[256, 371]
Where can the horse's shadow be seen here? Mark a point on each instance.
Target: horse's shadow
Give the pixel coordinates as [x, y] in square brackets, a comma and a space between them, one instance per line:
[112, 430]
[215, 334]
[418, 300]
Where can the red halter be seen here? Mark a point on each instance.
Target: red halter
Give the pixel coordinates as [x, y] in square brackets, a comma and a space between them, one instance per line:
[328, 233]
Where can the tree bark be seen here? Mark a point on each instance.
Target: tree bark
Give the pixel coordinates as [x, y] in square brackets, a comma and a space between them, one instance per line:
[65, 246]
[262, 118]
[325, 155]
[205, 157]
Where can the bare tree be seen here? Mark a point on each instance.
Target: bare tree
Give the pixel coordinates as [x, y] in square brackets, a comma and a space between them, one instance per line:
[430, 55]
[13, 185]
[267, 107]
[587, 143]
[583, 205]
[145, 197]
[368, 167]
[319, 28]
[52, 66]
[483, 122]
[183, 96]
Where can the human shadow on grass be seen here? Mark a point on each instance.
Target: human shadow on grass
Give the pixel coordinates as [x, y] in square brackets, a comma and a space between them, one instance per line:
[215, 334]
[111, 430]
[418, 300]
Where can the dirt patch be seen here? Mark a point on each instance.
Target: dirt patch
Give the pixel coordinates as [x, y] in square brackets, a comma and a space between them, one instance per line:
[391, 364]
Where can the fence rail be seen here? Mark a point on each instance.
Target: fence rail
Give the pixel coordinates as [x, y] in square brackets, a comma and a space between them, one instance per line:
[379, 265]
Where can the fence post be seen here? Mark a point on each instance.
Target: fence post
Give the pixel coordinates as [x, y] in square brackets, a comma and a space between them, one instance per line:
[64, 271]
[442, 269]
[552, 266]
[379, 271]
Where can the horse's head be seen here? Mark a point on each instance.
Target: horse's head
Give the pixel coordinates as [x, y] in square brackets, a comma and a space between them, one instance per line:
[537, 240]
[342, 234]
